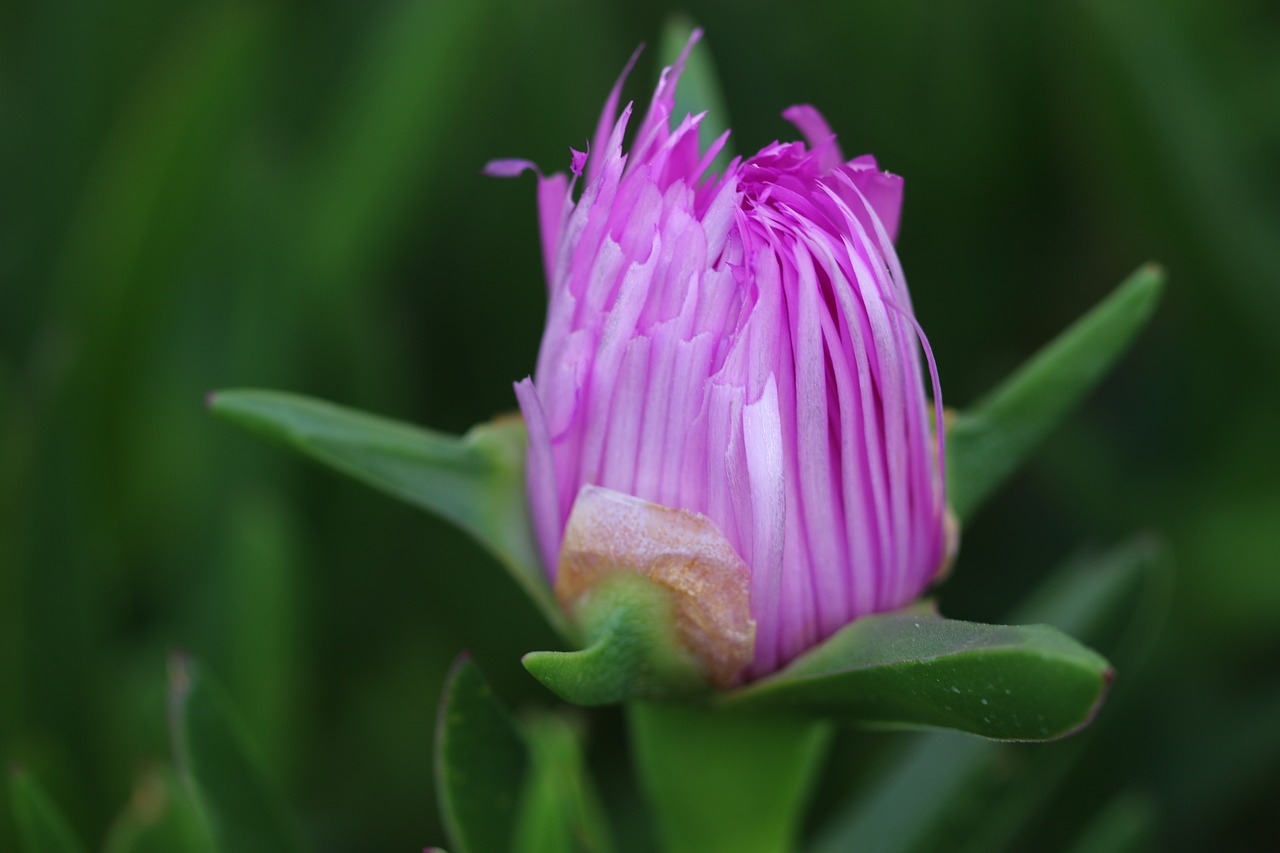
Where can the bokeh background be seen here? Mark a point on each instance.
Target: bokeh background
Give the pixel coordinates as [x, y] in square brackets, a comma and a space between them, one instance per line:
[209, 194]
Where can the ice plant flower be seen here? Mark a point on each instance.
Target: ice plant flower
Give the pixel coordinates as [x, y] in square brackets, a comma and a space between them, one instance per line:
[738, 349]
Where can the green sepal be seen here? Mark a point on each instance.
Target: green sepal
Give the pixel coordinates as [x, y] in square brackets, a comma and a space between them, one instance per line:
[216, 760]
[910, 669]
[632, 651]
[480, 763]
[41, 826]
[989, 440]
[475, 481]
[162, 816]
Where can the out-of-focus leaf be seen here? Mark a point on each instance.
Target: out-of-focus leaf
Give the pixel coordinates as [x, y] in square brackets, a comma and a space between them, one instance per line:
[1027, 682]
[476, 481]
[214, 757]
[719, 779]
[1107, 599]
[480, 763]
[153, 181]
[395, 106]
[262, 572]
[699, 89]
[632, 650]
[1183, 158]
[942, 779]
[560, 811]
[41, 827]
[1229, 764]
[162, 816]
[988, 441]
[1233, 598]
[1124, 825]
[18, 431]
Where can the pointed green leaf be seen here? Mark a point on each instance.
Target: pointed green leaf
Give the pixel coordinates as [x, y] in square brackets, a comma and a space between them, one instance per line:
[1002, 682]
[699, 89]
[927, 797]
[162, 816]
[560, 811]
[41, 827]
[723, 780]
[476, 481]
[480, 763]
[214, 757]
[632, 653]
[987, 442]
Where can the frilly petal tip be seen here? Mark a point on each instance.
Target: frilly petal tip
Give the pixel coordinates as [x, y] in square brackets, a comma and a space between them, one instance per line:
[509, 168]
[578, 159]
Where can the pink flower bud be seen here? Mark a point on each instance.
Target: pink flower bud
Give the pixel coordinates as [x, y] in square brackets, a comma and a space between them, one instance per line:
[741, 346]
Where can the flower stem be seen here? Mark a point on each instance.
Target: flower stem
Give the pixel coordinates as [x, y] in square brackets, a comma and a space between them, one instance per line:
[721, 780]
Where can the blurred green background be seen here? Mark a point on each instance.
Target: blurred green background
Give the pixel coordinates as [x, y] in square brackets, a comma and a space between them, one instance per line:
[204, 194]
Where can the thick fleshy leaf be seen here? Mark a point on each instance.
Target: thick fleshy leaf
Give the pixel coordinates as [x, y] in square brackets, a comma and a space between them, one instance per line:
[475, 481]
[163, 815]
[218, 763]
[989, 440]
[1002, 682]
[632, 651]
[41, 827]
[926, 798]
[559, 809]
[480, 763]
[699, 89]
[754, 773]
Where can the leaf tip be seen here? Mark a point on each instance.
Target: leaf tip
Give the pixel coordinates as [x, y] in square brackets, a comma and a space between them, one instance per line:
[1144, 288]
[535, 663]
[1153, 270]
[562, 673]
[450, 680]
[1107, 678]
[179, 671]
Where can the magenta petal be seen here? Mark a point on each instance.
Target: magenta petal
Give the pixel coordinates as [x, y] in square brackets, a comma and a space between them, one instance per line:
[541, 477]
[600, 142]
[762, 436]
[883, 192]
[553, 209]
[817, 133]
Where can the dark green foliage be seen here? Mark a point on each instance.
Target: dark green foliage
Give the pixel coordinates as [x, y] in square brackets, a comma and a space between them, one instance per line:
[480, 762]
[232, 194]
